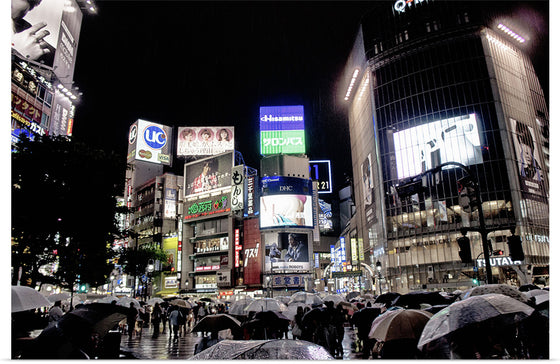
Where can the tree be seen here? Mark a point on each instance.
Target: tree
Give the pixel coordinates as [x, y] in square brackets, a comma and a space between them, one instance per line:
[63, 211]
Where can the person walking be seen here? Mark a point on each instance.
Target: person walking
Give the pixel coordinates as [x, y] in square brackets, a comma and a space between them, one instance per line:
[55, 313]
[174, 319]
[131, 319]
[156, 319]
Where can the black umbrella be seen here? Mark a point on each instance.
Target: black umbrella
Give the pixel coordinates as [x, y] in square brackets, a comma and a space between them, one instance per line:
[528, 287]
[414, 299]
[351, 295]
[387, 298]
[213, 323]
[435, 309]
[315, 314]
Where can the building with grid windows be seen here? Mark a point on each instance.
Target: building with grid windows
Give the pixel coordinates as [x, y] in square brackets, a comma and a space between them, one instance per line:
[437, 91]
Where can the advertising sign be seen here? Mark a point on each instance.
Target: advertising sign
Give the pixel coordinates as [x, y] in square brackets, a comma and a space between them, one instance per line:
[170, 208]
[528, 161]
[209, 140]
[252, 266]
[207, 206]
[286, 252]
[59, 22]
[223, 278]
[325, 217]
[237, 184]
[320, 171]
[169, 245]
[250, 209]
[209, 174]
[426, 146]
[282, 130]
[151, 142]
[285, 280]
[286, 201]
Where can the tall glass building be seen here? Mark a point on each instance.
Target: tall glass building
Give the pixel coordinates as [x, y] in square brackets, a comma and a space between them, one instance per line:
[437, 91]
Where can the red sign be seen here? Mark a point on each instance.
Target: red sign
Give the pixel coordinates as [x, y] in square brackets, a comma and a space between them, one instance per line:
[237, 248]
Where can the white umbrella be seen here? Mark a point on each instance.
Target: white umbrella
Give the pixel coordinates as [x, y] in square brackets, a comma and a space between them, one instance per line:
[58, 296]
[284, 299]
[238, 306]
[306, 297]
[265, 304]
[26, 298]
[152, 301]
[291, 311]
[108, 299]
[125, 301]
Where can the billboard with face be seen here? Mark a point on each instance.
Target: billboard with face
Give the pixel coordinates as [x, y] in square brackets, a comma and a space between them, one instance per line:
[208, 174]
[282, 130]
[149, 142]
[47, 33]
[213, 140]
[286, 252]
[285, 202]
[426, 146]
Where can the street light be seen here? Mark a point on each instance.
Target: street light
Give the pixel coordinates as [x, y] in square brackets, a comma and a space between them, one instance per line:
[378, 268]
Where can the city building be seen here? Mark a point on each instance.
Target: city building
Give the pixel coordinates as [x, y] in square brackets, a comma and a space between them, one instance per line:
[442, 98]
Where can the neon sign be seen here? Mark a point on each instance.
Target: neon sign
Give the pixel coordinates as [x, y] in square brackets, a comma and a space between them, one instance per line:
[401, 5]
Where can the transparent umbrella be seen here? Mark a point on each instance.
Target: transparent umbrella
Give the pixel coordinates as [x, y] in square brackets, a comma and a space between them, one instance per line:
[237, 308]
[264, 349]
[336, 299]
[265, 304]
[504, 289]
[307, 298]
[499, 308]
[26, 298]
[58, 296]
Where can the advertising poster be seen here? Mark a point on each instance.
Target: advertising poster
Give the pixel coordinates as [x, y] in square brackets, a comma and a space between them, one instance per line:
[152, 142]
[209, 174]
[56, 26]
[210, 140]
[170, 208]
[282, 130]
[367, 181]
[286, 201]
[426, 146]
[169, 245]
[528, 161]
[237, 184]
[286, 252]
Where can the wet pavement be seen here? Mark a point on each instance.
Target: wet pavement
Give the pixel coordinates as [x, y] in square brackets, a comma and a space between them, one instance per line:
[164, 347]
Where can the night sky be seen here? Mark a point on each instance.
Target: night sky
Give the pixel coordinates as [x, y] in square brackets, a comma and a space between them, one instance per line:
[184, 63]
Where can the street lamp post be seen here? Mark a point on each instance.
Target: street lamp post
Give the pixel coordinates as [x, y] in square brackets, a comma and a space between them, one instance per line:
[378, 268]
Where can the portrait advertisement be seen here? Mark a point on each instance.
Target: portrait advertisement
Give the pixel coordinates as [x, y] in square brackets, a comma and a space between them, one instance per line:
[208, 174]
[528, 161]
[287, 252]
[197, 141]
[367, 181]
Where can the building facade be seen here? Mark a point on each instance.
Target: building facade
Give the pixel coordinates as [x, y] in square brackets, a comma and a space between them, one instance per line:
[432, 84]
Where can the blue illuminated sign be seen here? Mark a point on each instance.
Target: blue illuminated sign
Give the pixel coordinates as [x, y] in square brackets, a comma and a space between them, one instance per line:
[155, 137]
[281, 118]
[282, 130]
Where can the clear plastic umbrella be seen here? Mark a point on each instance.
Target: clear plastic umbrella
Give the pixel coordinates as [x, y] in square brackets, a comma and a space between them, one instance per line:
[26, 298]
[237, 307]
[336, 299]
[500, 308]
[291, 311]
[58, 296]
[307, 298]
[504, 289]
[265, 304]
[152, 301]
[264, 349]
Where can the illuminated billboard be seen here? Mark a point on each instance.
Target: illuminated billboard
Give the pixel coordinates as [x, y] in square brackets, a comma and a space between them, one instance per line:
[286, 202]
[286, 252]
[56, 26]
[282, 130]
[192, 141]
[320, 171]
[149, 142]
[208, 175]
[426, 146]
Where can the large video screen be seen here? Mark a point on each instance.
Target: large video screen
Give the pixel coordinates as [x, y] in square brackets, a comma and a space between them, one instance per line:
[286, 202]
[208, 174]
[193, 141]
[282, 130]
[426, 146]
[286, 252]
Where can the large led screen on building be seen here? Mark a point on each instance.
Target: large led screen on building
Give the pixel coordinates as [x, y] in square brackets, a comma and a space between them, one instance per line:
[193, 141]
[149, 142]
[282, 130]
[426, 146]
[57, 23]
[209, 174]
[286, 202]
[286, 252]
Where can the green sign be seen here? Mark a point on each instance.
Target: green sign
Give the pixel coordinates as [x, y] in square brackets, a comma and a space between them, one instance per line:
[205, 207]
[283, 141]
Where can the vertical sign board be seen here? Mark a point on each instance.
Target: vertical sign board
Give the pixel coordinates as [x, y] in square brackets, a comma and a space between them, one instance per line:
[354, 248]
[237, 248]
[282, 130]
[316, 233]
[250, 208]
[333, 259]
[237, 183]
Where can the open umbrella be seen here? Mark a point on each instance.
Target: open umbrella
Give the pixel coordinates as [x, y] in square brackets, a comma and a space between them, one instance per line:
[351, 295]
[218, 322]
[307, 298]
[472, 310]
[399, 324]
[416, 298]
[535, 292]
[282, 349]
[58, 296]
[265, 304]
[336, 299]
[26, 298]
[528, 287]
[207, 299]
[237, 307]
[102, 317]
[284, 299]
[387, 298]
[152, 301]
[181, 303]
[125, 302]
[504, 289]
[108, 299]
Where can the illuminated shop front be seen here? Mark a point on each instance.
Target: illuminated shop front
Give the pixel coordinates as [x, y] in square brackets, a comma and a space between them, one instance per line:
[432, 83]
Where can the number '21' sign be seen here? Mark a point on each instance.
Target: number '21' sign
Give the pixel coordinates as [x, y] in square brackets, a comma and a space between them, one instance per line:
[320, 171]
